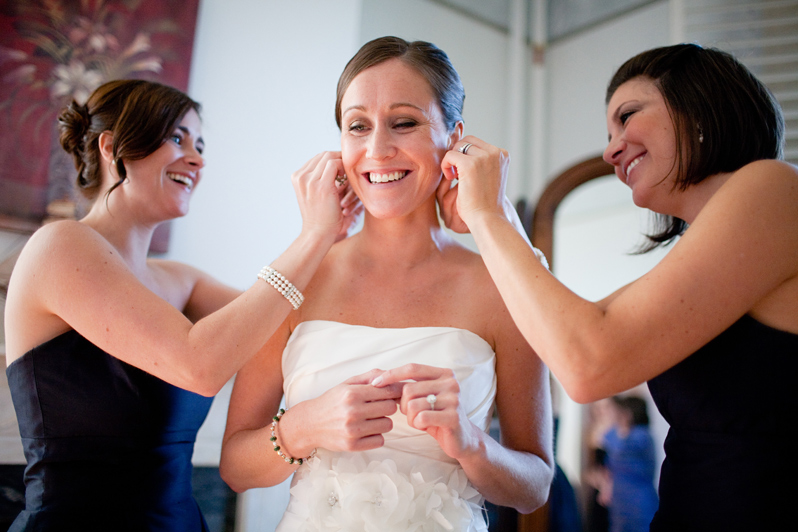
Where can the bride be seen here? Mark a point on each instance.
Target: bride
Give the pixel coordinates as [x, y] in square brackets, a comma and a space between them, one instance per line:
[400, 295]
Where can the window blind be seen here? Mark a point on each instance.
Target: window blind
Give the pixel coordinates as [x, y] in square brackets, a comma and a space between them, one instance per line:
[763, 35]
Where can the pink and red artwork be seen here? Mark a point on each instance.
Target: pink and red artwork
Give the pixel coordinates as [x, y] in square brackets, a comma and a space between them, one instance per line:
[53, 51]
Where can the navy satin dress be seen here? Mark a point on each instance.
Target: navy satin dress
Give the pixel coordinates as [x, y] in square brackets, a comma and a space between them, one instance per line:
[108, 446]
[730, 455]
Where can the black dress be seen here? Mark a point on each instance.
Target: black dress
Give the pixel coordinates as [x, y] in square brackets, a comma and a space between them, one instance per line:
[730, 454]
[108, 446]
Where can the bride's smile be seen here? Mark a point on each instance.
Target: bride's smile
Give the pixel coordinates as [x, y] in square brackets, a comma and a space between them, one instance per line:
[393, 135]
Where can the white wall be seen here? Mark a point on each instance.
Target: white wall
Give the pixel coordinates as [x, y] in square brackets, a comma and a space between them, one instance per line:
[579, 69]
[265, 72]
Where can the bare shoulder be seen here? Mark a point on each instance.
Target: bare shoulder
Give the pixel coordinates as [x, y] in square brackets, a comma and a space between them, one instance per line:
[739, 256]
[467, 267]
[770, 181]
[771, 167]
[761, 201]
[64, 234]
[477, 292]
[54, 257]
[59, 245]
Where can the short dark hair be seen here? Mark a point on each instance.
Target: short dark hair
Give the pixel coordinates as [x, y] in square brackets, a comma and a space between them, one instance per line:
[636, 406]
[711, 95]
[429, 60]
[140, 115]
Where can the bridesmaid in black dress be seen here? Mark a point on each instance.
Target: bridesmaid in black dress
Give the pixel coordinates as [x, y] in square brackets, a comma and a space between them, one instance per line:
[113, 358]
[713, 327]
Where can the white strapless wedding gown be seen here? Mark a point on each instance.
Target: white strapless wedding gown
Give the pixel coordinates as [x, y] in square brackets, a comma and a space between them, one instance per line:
[409, 484]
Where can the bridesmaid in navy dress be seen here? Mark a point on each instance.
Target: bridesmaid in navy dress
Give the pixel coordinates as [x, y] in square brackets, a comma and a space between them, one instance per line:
[713, 327]
[113, 357]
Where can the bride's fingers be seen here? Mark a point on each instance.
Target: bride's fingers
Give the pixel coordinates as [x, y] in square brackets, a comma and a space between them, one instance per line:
[369, 442]
[392, 393]
[421, 415]
[432, 402]
[442, 194]
[365, 378]
[348, 197]
[368, 393]
[415, 372]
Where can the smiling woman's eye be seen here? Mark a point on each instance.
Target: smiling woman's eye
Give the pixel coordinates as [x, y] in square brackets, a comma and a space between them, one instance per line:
[176, 138]
[625, 116]
[356, 127]
[404, 124]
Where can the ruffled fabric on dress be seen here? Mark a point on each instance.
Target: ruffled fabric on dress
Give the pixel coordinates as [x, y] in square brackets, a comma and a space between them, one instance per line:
[409, 484]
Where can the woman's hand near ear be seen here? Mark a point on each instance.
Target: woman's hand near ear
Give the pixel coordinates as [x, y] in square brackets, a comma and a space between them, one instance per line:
[481, 175]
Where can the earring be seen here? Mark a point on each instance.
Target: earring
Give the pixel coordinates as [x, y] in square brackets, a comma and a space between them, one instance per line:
[700, 134]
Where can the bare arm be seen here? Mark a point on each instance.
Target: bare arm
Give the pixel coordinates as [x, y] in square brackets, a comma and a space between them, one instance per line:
[740, 248]
[207, 296]
[350, 417]
[69, 276]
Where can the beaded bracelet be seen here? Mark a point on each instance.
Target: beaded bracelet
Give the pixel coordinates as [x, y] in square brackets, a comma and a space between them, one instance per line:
[282, 285]
[280, 453]
[541, 257]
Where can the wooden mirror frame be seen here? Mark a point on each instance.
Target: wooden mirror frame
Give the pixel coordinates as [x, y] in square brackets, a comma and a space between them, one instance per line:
[538, 221]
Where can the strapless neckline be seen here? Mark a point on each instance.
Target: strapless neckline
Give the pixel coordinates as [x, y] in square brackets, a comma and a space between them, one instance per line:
[397, 329]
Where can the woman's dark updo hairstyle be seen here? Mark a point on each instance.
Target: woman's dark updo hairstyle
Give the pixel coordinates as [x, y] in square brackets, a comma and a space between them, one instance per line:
[426, 58]
[711, 94]
[140, 115]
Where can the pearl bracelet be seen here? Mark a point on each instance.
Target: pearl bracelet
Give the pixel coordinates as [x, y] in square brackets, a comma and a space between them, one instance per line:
[541, 257]
[282, 285]
[280, 453]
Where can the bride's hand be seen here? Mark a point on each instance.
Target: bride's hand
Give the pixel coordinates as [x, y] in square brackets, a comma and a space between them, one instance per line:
[443, 417]
[353, 416]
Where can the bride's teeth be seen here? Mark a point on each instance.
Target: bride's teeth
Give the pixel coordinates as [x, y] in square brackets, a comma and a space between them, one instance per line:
[386, 178]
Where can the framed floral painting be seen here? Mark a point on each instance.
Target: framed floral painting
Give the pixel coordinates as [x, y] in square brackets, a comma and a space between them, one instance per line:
[54, 51]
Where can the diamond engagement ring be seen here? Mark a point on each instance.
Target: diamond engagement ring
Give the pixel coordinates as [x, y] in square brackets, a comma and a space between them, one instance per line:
[431, 399]
[464, 148]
